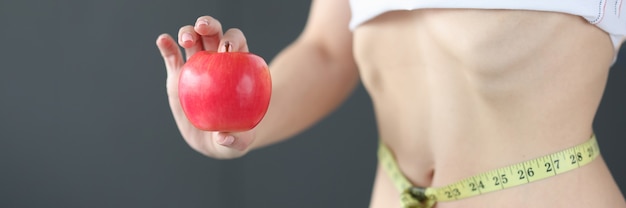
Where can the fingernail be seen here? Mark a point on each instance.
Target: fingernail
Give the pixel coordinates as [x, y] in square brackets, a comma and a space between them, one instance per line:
[203, 22]
[227, 140]
[187, 37]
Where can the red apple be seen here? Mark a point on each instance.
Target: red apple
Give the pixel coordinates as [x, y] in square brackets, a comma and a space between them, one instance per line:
[225, 91]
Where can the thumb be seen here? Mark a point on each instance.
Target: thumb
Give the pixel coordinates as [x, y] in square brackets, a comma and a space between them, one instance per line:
[239, 141]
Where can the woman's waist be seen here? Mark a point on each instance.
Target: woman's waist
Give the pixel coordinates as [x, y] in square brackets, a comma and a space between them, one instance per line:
[440, 155]
[576, 171]
[494, 180]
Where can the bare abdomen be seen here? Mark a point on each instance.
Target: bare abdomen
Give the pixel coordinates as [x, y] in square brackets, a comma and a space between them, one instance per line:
[460, 92]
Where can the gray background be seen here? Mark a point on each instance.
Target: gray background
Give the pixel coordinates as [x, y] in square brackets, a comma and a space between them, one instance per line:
[84, 120]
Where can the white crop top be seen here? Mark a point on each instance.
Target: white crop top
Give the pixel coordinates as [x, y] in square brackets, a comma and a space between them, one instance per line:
[606, 14]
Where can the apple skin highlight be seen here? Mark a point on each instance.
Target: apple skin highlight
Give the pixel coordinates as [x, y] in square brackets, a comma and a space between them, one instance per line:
[225, 91]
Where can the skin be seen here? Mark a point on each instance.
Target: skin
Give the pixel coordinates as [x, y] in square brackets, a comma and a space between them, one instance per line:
[464, 91]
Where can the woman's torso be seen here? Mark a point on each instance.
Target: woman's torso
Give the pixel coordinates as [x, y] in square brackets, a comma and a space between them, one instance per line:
[461, 92]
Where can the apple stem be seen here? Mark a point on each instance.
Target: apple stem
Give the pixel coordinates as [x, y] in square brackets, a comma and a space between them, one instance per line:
[227, 46]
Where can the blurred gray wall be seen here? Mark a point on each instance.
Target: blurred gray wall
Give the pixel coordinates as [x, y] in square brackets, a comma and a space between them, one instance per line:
[84, 120]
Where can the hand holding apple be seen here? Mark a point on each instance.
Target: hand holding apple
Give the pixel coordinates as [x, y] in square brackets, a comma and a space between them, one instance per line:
[207, 35]
[225, 91]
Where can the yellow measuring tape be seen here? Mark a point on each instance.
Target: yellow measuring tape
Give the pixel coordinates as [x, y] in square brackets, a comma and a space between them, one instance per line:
[494, 180]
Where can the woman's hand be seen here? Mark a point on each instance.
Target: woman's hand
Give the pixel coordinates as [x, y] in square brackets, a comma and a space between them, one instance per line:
[206, 34]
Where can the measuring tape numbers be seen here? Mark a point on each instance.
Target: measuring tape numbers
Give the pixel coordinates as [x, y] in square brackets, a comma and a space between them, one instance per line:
[494, 180]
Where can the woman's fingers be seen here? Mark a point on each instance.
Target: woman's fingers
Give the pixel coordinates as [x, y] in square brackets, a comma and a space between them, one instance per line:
[170, 52]
[190, 40]
[210, 31]
[206, 34]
